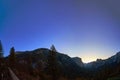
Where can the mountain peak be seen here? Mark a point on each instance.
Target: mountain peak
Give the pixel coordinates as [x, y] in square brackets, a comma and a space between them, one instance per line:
[78, 61]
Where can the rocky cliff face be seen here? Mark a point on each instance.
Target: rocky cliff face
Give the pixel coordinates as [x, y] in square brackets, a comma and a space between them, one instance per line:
[66, 61]
[73, 66]
[78, 61]
[68, 65]
[100, 63]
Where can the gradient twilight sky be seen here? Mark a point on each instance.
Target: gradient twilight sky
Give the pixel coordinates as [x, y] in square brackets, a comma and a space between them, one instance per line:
[89, 29]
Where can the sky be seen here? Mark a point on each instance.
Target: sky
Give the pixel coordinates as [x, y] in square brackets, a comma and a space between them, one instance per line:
[89, 29]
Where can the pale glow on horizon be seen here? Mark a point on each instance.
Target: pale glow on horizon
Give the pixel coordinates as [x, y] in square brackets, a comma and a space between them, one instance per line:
[88, 52]
[92, 53]
[87, 59]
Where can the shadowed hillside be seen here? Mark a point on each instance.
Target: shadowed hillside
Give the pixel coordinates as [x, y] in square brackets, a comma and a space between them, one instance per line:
[48, 64]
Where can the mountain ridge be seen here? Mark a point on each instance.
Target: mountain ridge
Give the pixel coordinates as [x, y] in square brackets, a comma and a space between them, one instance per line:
[78, 58]
[73, 66]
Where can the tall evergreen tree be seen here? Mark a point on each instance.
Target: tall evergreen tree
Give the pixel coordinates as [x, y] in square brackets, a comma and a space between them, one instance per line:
[1, 50]
[12, 57]
[53, 68]
[52, 48]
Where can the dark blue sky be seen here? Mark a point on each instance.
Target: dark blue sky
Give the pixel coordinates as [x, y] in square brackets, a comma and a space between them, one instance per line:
[89, 29]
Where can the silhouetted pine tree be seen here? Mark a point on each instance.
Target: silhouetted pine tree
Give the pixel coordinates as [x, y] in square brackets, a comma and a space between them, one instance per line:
[53, 68]
[1, 50]
[12, 57]
[52, 48]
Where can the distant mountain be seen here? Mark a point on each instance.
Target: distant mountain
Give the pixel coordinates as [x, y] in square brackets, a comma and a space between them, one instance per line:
[68, 65]
[73, 67]
[99, 62]
[104, 69]
[78, 61]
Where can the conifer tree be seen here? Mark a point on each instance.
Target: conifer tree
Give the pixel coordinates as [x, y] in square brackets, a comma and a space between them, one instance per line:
[53, 68]
[2, 67]
[1, 50]
[12, 57]
[52, 48]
